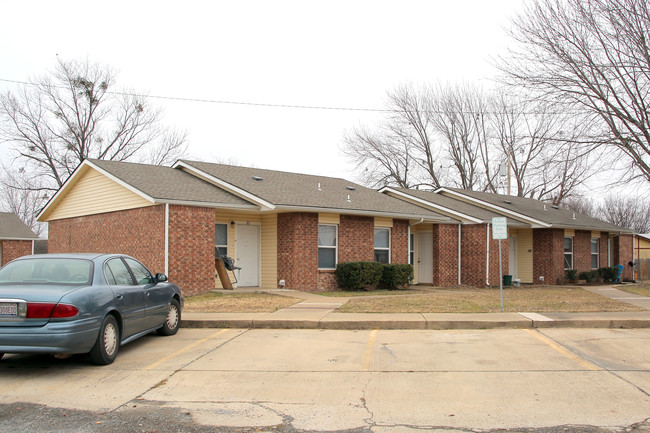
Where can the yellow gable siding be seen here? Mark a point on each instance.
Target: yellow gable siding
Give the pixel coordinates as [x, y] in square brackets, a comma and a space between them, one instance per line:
[94, 193]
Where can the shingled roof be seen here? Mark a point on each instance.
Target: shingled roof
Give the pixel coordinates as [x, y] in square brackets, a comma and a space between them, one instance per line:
[13, 228]
[546, 213]
[165, 184]
[294, 191]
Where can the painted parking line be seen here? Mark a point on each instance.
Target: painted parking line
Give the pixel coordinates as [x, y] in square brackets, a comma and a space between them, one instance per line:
[367, 354]
[572, 356]
[185, 349]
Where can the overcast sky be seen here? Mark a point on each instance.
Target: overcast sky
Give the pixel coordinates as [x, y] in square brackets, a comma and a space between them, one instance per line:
[336, 54]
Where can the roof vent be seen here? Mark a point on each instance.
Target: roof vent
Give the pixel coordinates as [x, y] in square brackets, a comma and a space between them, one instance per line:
[350, 188]
[348, 200]
[574, 215]
[257, 178]
[507, 201]
[319, 186]
[555, 206]
[544, 207]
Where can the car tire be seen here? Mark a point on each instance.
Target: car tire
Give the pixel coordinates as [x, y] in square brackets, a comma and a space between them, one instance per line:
[173, 319]
[1, 355]
[107, 345]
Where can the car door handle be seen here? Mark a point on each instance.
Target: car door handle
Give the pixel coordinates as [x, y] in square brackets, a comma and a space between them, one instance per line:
[120, 297]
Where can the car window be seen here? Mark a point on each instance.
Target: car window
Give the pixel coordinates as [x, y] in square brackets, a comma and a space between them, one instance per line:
[117, 273]
[142, 274]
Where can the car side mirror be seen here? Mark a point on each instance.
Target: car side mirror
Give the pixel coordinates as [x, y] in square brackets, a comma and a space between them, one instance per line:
[161, 278]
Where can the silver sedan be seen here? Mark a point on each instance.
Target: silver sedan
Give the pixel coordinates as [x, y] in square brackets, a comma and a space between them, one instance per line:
[83, 303]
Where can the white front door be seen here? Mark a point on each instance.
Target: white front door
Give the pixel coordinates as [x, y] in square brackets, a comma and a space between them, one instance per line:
[247, 239]
[425, 258]
[512, 256]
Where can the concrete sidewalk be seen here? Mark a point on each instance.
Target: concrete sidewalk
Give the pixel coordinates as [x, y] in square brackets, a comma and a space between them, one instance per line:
[319, 312]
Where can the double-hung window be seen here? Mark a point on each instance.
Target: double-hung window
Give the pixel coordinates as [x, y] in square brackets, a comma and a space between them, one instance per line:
[595, 246]
[382, 245]
[412, 249]
[327, 246]
[568, 253]
[220, 240]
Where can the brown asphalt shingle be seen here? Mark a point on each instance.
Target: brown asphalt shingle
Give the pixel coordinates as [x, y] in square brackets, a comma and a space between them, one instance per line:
[12, 227]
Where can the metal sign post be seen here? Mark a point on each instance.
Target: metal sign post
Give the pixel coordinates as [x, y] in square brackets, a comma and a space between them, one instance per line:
[500, 231]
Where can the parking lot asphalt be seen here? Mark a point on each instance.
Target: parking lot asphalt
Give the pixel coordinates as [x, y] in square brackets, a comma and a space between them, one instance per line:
[319, 312]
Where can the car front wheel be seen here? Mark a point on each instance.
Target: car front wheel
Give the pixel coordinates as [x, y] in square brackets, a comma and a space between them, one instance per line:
[107, 345]
[173, 319]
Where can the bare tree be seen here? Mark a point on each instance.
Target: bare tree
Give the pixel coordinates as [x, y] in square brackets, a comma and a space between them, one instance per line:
[630, 213]
[593, 58]
[57, 121]
[20, 196]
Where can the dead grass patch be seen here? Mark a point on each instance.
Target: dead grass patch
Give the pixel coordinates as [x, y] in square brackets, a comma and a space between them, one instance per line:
[487, 300]
[217, 302]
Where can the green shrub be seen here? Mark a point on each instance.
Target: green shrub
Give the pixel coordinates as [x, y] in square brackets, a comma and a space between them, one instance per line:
[608, 274]
[571, 274]
[396, 276]
[358, 275]
[590, 276]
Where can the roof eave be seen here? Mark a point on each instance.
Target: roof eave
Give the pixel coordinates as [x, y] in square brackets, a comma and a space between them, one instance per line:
[361, 212]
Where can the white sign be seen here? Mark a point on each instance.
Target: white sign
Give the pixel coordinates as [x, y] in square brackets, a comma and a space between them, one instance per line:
[499, 228]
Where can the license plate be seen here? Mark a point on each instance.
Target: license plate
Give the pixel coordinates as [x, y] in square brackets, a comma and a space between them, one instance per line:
[8, 309]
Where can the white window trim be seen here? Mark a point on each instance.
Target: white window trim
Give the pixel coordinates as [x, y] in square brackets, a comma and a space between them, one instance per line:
[335, 247]
[389, 242]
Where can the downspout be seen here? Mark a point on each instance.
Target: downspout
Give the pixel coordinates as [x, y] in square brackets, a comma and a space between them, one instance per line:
[487, 256]
[634, 261]
[167, 239]
[459, 251]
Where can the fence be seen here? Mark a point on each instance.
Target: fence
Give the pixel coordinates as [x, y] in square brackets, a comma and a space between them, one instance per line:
[641, 269]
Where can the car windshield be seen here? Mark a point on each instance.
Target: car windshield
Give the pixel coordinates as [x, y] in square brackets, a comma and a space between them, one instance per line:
[47, 271]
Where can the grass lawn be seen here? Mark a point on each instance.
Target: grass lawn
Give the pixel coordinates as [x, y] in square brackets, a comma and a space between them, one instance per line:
[216, 302]
[487, 300]
[642, 289]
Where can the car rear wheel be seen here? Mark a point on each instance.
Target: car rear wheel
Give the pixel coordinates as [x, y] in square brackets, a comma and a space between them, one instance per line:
[107, 345]
[173, 319]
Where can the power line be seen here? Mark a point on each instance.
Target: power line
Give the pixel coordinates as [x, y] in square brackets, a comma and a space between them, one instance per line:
[217, 101]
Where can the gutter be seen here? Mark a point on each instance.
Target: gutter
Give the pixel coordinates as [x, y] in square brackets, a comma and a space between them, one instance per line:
[487, 256]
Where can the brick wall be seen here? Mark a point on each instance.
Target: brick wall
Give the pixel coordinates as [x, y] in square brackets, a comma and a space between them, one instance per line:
[191, 248]
[399, 242]
[356, 239]
[602, 250]
[14, 249]
[298, 250]
[137, 232]
[548, 255]
[582, 251]
[445, 255]
[622, 246]
[141, 233]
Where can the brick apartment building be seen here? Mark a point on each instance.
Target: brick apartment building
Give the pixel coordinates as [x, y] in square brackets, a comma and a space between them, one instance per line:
[290, 230]
[16, 239]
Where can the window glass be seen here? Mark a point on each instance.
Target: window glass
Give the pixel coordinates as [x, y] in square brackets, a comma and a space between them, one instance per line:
[117, 273]
[220, 240]
[141, 274]
[48, 271]
[327, 246]
[412, 249]
[595, 245]
[568, 253]
[382, 245]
